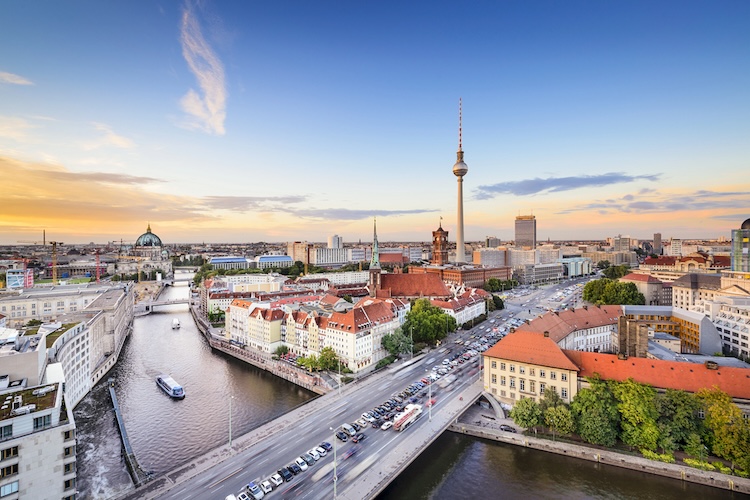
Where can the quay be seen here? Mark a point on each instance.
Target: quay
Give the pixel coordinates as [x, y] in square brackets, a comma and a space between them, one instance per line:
[137, 473]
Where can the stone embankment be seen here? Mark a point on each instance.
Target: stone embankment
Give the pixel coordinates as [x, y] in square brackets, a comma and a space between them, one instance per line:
[487, 428]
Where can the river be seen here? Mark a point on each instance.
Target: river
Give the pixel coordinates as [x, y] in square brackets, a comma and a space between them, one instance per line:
[166, 433]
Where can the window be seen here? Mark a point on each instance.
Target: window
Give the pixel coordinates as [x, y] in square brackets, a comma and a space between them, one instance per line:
[494, 364]
[532, 372]
[553, 375]
[564, 377]
[512, 368]
[502, 366]
[502, 380]
[68, 451]
[522, 370]
[512, 382]
[541, 373]
[522, 384]
[9, 453]
[564, 393]
[70, 483]
[9, 470]
[494, 378]
[70, 467]
[42, 422]
[8, 489]
[532, 386]
[6, 431]
[68, 435]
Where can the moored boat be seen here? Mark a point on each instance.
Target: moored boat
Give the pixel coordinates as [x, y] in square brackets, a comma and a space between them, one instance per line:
[175, 324]
[168, 385]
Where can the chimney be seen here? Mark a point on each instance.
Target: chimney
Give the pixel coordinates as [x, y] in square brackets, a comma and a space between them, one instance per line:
[622, 355]
[712, 365]
[546, 333]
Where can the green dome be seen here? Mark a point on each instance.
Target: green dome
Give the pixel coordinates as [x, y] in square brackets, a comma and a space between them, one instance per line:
[148, 239]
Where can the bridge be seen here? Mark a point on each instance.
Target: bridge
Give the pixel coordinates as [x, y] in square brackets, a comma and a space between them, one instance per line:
[362, 470]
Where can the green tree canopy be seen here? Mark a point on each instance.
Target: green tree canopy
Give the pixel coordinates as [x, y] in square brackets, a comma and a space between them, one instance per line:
[729, 435]
[526, 413]
[637, 406]
[595, 412]
[397, 342]
[678, 412]
[429, 323]
[559, 420]
[609, 292]
[328, 359]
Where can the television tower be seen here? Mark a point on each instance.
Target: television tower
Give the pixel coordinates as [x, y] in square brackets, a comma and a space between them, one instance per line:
[459, 170]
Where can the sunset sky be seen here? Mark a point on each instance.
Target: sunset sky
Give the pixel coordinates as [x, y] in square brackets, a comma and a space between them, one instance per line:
[293, 120]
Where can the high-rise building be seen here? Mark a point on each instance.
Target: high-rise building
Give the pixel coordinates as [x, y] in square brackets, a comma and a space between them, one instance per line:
[526, 231]
[657, 243]
[492, 242]
[335, 241]
[459, 170]
[621, 243]
[675, 247]
[741, 248]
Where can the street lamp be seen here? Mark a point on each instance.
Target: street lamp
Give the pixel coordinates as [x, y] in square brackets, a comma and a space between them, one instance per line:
[230, 421]
[429, 398]
[335, 478]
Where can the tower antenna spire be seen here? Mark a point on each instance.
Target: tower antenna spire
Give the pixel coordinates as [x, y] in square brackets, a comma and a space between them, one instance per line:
[460, 113]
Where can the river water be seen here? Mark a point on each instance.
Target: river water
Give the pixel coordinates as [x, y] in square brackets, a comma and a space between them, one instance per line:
[166, 433]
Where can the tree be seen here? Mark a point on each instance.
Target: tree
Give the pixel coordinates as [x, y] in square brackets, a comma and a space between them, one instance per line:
[638, 413]
[281, 350]
[594, 290]
[607, 291]
[526, 413]
[492, 285]
[550, 399]
[429, 323]
[328, 359]
[595, 412]
[397, 343]
[727, 430]
[677, 420]
[348, 298]
[499, 304]
[559, 419]
[616, 272]
[603, 264]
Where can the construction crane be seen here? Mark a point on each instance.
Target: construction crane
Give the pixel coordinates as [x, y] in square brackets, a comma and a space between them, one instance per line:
[54, 254]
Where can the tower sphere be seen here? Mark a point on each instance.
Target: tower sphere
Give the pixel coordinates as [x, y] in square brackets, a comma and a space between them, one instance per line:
[745, 225]
[460, 169]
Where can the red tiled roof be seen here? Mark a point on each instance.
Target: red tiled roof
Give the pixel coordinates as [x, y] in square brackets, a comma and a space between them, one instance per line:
[644, 278]
[563, 323]
[722, 261]
[691, 377]
[664, 260]
[414, 285]
[532, 348]
[392, 258]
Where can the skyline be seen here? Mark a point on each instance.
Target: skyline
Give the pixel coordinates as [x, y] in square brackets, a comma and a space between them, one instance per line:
[229, 123]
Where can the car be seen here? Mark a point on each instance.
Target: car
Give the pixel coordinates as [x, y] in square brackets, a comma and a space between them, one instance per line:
[362, 422]
[377, 423]
[342, 436]
[266, 486]
[355, 425]
[430, 403]
[308, 459]
[321, 451]
[507, 428]
[243, 496]
[359, 438]
[276, 479]
[255, 491]
[326, 446]
[314, 453]
[368, 417]
[301, 463]
[285, 474]
[294, 468]
[386, 425]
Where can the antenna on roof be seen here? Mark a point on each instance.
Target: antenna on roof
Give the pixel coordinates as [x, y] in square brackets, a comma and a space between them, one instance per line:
[460, 108]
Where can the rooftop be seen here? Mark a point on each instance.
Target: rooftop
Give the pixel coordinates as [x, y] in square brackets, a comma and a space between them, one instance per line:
[27, 397]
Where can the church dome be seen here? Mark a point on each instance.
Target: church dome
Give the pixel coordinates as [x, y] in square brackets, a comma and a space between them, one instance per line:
[746, 224]
[148, 239]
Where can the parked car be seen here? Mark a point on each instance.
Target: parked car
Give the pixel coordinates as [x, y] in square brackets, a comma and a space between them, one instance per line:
[309, 460]
[301, 463]
[276, 479]
[285, 473]
[326, 446]
[314, 453]
[294, 468]
[507, 428]
[342, 436]
[266, 486]
[321, 451]
[387, 425]
[255, 491]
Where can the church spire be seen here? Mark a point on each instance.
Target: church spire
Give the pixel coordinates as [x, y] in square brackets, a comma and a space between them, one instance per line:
[375, 261]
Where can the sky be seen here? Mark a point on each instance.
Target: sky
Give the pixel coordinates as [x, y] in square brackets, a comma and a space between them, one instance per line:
[223, 121]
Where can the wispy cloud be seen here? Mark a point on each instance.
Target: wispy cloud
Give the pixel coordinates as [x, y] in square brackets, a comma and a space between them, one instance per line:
[246, 203]
[206, 108]
[557, 184]
[349, 214]
[656, 202]
[14, 128]
[14, 79]
[108, 138]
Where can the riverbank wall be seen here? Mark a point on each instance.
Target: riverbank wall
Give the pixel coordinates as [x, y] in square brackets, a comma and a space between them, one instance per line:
[262, 360]
[674, 471]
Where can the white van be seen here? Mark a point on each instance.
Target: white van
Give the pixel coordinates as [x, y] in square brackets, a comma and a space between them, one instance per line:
[348, 429]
